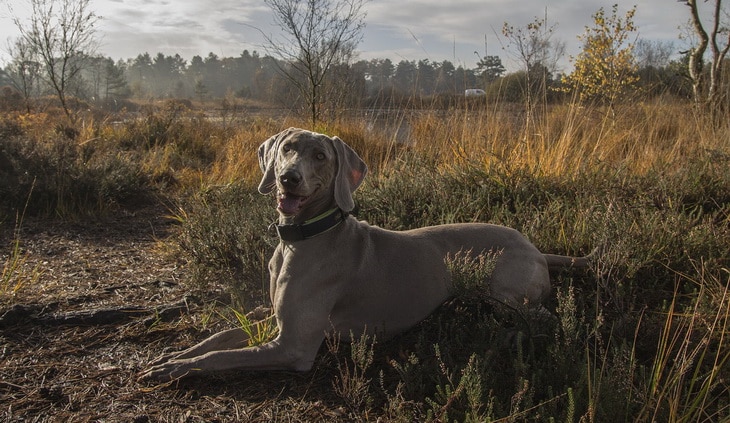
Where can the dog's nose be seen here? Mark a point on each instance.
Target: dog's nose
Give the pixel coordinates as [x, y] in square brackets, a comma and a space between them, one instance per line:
[290, 178]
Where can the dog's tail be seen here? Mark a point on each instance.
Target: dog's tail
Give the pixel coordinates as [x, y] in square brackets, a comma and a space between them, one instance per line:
[557, 262]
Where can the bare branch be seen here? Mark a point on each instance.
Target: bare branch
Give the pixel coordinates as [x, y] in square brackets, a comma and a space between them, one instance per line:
[60, 33]
[315, 34]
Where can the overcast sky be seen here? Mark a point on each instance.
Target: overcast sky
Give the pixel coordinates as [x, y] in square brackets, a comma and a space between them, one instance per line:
[404, 29]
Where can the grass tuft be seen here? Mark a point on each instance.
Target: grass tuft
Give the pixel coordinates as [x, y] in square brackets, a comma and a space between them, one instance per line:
[258, 331]
[17, 273]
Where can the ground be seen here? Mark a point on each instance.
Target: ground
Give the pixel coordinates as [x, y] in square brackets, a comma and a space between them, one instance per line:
[111, 297]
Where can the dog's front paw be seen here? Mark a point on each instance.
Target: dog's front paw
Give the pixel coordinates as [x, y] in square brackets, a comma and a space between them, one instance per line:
[169, 371]
[163, 359]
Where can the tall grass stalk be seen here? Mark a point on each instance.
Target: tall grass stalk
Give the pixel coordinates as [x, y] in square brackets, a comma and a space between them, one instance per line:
[352, 383]
[15, 272]
[693, 355]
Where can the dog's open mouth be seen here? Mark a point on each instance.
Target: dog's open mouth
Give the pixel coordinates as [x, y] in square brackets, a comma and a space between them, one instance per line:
[290, 204]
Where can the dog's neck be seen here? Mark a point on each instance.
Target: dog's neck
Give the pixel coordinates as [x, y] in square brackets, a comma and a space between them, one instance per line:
[314, 208]
[310, 228]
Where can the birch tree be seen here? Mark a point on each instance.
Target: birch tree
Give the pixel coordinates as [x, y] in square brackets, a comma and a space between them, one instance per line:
[715, 34]
[606, 69]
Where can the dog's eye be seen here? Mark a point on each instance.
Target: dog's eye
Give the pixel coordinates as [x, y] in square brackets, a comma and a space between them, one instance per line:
[286, 148]
[320, 156]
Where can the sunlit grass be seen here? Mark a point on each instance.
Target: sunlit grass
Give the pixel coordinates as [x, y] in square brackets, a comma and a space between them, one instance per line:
[568, 140]
[642, 336]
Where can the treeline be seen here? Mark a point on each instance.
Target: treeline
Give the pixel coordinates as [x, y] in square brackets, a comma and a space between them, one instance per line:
[373, 83]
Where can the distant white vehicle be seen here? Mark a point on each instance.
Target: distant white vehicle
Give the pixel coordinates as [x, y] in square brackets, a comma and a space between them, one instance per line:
[474, 92]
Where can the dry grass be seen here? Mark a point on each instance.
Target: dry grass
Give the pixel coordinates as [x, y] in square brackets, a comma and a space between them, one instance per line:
[569, 140]
[643, 336]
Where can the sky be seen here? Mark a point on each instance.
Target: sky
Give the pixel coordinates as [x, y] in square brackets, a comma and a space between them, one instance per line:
[456, 30]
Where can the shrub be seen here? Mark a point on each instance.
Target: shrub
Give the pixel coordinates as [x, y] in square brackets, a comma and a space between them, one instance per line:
[62, 177]
[225, 239]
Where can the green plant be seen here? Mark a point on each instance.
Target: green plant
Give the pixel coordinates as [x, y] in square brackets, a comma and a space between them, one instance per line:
[351, 383]
[68, 178]
[464, 386]
[606, 68]
[258, 332]
[470, 273]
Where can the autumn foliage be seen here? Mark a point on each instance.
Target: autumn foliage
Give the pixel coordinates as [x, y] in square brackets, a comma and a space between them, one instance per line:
[606, 69]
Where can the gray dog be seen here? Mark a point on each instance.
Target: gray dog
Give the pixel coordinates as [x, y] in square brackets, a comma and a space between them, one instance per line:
[333, 273]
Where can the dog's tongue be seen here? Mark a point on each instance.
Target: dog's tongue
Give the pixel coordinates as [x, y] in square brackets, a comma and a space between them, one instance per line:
[289, 204]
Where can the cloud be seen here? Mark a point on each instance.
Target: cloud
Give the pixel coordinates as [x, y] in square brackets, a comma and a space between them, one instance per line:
[456, 29]
[186, 27]
[406, 29]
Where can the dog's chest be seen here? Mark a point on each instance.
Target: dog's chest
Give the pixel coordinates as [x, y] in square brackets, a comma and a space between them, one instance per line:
[296, 265]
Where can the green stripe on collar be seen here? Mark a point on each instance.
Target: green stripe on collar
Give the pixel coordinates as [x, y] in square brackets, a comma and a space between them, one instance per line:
[312, 227]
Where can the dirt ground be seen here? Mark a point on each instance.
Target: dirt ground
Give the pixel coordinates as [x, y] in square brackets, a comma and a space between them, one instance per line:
[110, 298]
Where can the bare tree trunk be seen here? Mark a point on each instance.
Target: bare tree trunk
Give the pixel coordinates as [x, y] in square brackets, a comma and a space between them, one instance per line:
[697, 53]
[710, 96]
[718, 56]
[24, 71]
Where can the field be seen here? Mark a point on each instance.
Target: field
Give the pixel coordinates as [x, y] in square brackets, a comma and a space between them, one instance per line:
[129, 236]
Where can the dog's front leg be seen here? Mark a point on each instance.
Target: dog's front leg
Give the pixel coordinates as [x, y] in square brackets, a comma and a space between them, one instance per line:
[225, 340]
[279, 354]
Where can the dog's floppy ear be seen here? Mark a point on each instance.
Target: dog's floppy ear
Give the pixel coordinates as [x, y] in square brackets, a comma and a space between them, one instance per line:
[351, 170]
[267, 157]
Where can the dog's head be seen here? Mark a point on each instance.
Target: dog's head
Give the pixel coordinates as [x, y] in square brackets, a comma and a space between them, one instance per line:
[311, 173]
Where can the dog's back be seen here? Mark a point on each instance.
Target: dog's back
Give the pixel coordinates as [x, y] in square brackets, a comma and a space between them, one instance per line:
[391, 280]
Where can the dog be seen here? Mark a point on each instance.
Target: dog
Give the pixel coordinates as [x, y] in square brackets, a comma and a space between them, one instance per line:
[331, 273]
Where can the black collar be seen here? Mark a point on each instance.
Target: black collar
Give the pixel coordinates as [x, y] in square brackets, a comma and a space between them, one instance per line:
[312, 227]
